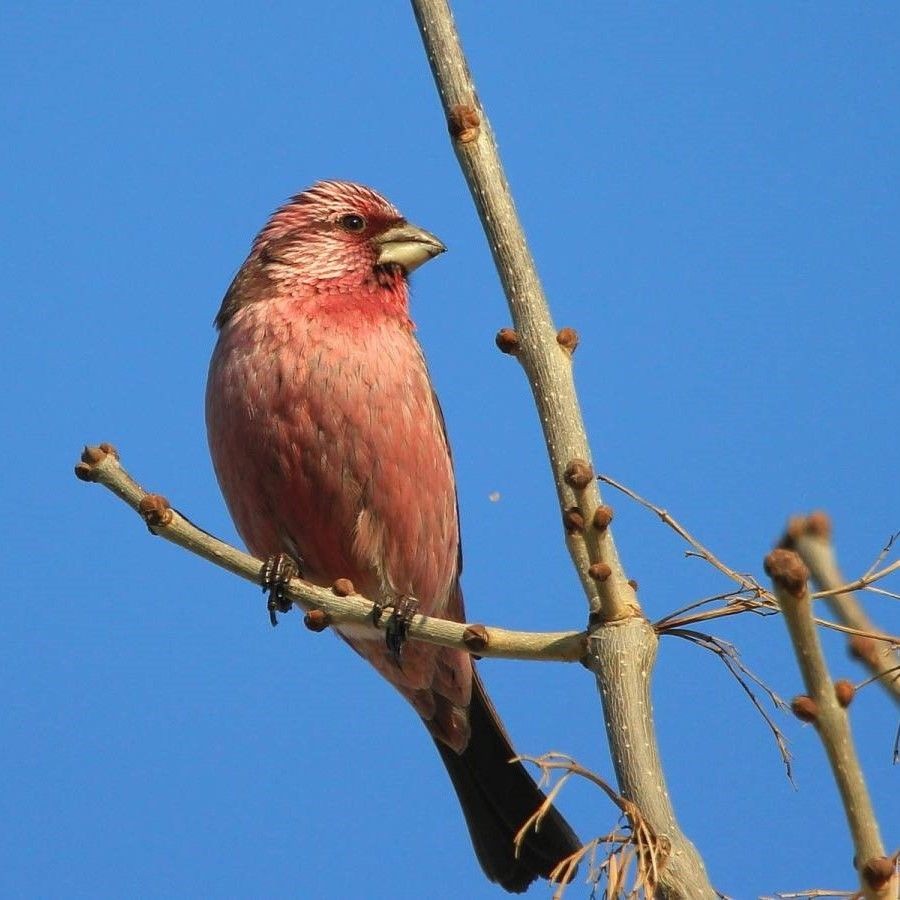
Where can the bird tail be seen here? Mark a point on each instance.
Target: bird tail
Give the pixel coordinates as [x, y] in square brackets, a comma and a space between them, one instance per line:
[497, 797]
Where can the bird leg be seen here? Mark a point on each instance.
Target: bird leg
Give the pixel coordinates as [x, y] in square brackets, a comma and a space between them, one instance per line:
[276, 572]
[396, 629]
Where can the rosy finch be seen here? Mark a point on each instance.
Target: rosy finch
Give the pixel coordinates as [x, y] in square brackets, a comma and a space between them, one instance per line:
[329, 446]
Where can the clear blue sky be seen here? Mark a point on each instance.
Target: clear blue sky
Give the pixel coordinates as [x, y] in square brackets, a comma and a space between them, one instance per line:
[711, 192]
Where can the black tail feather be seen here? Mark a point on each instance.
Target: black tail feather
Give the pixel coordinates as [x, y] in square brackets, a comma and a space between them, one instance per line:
[497, 797]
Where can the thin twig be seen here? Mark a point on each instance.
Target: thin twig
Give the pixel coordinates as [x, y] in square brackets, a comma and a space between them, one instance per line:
[882, 554]
[862, 583]
[894, 670]
[728, 653]
[759, 600]
[733, 607]
[894, 595]
[746, 582]
[641, 847]
[879, 636]
[896, 756]
[736, 601]
[814, 892]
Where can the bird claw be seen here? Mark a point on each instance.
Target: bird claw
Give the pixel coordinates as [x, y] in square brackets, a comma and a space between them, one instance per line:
[276, 572]
[397, 627]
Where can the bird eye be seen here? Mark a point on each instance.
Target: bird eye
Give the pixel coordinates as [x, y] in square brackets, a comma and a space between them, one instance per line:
[352, 222]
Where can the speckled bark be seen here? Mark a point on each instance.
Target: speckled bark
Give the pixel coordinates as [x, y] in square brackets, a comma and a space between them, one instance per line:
[621, 655]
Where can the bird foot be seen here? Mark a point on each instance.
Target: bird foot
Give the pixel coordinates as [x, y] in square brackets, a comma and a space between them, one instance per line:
[276, 572]
[397, 627]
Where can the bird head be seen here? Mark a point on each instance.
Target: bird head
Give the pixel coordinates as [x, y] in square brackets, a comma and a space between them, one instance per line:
[340, 231]
[338, 240]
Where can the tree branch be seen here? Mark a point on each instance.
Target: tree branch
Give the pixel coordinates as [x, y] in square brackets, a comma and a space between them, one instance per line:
[810, 537]
[622, 656]
[329, 606]
[545, 354]
[789, 576]
[622, 644]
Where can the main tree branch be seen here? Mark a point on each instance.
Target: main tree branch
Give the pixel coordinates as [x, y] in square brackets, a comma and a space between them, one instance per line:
[545, 353]
[622, 645]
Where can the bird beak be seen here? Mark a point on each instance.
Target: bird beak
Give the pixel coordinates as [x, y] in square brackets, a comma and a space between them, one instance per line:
[406, 245]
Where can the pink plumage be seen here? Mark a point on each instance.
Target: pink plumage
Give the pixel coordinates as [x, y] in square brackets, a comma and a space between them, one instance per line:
[329, 445]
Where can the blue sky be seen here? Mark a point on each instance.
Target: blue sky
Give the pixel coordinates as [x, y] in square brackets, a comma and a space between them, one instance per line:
[711, 193]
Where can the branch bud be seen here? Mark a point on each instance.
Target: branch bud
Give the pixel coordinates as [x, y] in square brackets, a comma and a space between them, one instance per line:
[573, 520]
[317, 620]
[91, 457]
[788, 571]
[464, 123]
[603, 515]
[343, 587]
[508, 341]
[863, 648]
[793, 531]
[844, 691]
[805, 708]
[818, 524]
[578, 474]
[567, 338]
[878, 871]
[155, 511]
[476, 639]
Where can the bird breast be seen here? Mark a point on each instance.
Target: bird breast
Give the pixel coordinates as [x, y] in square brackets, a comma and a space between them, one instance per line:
[328, 444]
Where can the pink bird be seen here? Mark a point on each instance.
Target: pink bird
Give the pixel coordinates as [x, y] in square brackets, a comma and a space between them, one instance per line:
[329, 446]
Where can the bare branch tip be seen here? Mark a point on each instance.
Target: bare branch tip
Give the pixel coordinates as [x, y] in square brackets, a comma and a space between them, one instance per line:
[788, 571]
[91, 457]
[818, 524]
